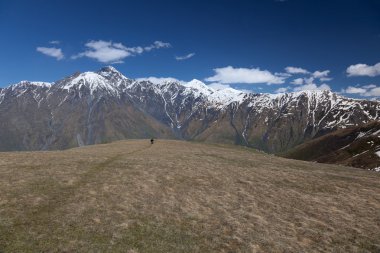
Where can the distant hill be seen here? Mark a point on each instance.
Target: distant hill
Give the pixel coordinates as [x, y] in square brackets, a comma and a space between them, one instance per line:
[355, 146]
[177, 196]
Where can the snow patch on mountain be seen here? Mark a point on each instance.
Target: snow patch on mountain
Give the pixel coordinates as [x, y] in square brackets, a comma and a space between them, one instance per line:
[2, 95]
[369, 133]
[218, 98]
[28, 84]
[93, 81]
[224, 97]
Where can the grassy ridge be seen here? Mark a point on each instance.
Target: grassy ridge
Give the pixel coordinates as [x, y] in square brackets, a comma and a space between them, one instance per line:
[178, 196]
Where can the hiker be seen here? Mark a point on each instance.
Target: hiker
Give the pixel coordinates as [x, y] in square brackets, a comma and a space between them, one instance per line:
[151, 141]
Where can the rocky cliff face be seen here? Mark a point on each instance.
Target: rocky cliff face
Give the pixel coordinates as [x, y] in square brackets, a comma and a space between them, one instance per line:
[96, 107]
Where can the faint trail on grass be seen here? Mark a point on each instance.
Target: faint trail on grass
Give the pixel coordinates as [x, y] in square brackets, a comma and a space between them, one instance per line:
[103, 165]
[60, 195]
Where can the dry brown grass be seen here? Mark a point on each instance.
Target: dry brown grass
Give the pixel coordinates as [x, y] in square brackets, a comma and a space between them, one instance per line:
[183, 197]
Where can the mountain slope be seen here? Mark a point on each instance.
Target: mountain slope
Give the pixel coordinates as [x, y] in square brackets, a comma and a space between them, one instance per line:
[80, 110]
[97, 107]
[177, 196]
[354, 146]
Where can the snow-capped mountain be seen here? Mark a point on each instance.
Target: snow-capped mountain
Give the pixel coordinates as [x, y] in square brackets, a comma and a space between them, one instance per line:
[95, 107]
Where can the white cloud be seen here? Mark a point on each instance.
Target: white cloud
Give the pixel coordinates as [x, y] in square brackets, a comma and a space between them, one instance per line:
[374, 92]
[219, 86]
[105, 51]
[322, 75]
[309, 84]
[312, 86]
[51, 51]
[160, 80]
[354, 90]
[309, 80]
[363, 70]
[282, 90]
[185, 57]
[298, 81]
[369, 86]
[296, 70]
[244, 75]
[55, 42]
[370, 90]
[325, 79]
[110, 52]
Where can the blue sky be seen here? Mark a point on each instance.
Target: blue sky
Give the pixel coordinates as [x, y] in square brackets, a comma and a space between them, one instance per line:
[262, 46]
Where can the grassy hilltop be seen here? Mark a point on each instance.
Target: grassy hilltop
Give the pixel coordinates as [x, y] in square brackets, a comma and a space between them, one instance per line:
[175, 196]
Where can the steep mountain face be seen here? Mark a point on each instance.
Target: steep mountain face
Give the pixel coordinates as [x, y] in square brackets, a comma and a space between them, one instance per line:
[355, 146]
[96, 107]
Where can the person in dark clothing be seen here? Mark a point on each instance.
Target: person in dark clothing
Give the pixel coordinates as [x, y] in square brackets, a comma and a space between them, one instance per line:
[151, 141]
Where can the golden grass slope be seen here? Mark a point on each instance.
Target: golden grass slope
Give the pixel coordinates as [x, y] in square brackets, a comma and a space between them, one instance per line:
[178, 196]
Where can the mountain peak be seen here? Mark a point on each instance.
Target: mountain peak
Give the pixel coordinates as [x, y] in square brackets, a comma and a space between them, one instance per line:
[111, 74]
[93, 81]
[197, 82]
[109, 69]
[200, 86]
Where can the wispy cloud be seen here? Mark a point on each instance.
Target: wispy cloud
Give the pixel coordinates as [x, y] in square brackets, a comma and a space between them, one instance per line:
[363, 70]
[156, 45]
[282, 74]
[52, 52]
[296, 70]
[185, 57]
[244, 75]
[55, 42]
[110, 52]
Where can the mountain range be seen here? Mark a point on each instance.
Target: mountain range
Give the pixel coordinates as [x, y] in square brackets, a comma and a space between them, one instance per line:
[103, 106]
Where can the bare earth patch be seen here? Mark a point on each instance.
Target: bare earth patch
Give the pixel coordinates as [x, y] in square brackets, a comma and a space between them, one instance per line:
[175, 196]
